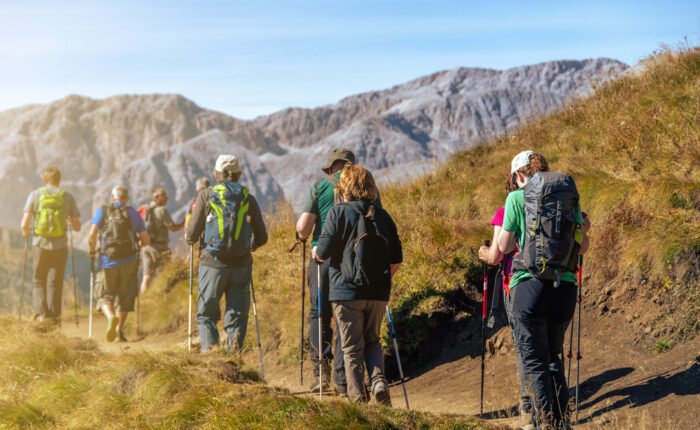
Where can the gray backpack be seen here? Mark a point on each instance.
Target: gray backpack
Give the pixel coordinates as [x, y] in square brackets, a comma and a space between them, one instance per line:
[551, 202]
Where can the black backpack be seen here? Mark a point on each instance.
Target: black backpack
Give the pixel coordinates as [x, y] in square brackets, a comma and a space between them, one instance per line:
[366, 259]
[118, 239]
[551, 202]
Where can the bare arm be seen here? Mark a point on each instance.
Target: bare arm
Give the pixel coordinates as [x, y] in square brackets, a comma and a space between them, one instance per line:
[506, 241]
[144, 238]
[176, 227]
[394, 268]
[305, 224]
[75, 223]
[491, 254]
[26, 224]
[92, 238]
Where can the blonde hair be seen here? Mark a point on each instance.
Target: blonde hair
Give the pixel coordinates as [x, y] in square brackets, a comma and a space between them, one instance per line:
[357, 183]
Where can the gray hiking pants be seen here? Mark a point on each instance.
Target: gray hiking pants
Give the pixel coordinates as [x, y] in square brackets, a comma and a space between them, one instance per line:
[359, 324]
[323, 318]
[49, 268]
[540, 315]
[234, 282]
[525, 394]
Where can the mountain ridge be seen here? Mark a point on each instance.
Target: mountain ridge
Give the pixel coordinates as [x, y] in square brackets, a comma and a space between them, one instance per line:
[413, 124]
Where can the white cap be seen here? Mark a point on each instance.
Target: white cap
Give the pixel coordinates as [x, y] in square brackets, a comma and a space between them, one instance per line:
[227, 162]
[519, 161]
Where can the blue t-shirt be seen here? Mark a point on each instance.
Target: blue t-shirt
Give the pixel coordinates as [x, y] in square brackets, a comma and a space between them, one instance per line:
[136, 223]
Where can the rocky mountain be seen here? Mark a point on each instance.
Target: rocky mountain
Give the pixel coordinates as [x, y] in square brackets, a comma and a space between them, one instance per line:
[149, 140]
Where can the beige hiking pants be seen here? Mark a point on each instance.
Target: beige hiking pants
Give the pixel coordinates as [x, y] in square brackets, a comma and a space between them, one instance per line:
[359, 325]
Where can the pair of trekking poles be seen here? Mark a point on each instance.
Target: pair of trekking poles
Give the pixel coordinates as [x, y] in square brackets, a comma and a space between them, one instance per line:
[74, 276]
[484, 301]
[319, 302]
[190, 313]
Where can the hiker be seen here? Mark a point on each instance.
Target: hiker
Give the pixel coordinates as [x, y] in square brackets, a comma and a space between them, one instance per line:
[361, 243]
[319, 202]
[233, 227]
[53, 211]
[492, 255]
[543, 304]
[158, 224]
[200, 184]
[120, 229]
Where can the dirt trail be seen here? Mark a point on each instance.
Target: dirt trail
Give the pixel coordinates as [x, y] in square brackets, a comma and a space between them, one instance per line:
[151, 343]
[623, 385]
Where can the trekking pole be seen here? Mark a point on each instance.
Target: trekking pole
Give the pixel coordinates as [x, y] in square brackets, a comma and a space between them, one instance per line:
[320, 335]
[75, 278]
[578, 335]
[24, 271]
[189, 312]
[92, 293]
[484, 300]
[396, 350]
[257, 328]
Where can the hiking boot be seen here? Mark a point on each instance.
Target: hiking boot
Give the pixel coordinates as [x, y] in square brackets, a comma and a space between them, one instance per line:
[341, 390]
[326, 377]
[524, 421]
[121, 337]
[381, 394]
[112, 328]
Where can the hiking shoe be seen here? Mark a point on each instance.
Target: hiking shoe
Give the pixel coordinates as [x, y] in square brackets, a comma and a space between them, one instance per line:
[121, 337]
[524, 422]
[315, 384]
[381, 394]
[341, 390]
[112, 328]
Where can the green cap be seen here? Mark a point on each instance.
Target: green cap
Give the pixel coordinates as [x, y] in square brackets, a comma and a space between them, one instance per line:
[336, 154]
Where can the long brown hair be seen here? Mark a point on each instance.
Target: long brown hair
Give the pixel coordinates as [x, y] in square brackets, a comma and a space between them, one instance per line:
[537, 164]
[357, 183]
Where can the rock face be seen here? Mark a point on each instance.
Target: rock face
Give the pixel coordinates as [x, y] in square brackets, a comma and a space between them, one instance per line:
[150, 140]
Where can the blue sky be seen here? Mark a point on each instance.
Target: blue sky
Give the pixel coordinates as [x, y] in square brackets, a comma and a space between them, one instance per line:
[252, 58]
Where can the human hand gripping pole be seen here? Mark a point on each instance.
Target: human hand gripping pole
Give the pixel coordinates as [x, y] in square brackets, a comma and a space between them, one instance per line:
[484, 301]
[392, 332]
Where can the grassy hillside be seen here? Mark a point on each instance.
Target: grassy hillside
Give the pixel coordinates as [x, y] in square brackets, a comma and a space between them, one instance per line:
[53, 382]
[634, 149]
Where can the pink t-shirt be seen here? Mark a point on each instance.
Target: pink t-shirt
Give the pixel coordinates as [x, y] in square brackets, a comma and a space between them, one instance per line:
[497, 219]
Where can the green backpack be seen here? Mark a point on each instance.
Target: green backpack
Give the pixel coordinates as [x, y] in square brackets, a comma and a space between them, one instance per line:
[51, 217]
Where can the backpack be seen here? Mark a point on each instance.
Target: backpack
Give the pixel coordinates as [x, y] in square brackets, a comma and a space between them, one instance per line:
[551, 200]
[366, 259]
[227, 232]
[146, 213]
[118, 239]
[50, 218]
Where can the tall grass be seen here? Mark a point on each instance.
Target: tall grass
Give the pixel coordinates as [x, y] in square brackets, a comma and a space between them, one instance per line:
[50, 381]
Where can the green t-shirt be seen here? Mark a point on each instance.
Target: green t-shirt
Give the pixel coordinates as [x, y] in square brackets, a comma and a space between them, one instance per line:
[319, 202]
[514, 222]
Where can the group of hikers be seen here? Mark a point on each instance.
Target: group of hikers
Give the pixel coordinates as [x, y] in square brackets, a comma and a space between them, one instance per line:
[538, 238]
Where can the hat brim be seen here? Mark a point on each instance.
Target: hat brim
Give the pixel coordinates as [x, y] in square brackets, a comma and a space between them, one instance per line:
[327, 168]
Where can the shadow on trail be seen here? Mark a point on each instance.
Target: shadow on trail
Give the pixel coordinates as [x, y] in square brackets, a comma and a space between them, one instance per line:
[450, 331]
[682, 383]
[592, 385]
[508, 412]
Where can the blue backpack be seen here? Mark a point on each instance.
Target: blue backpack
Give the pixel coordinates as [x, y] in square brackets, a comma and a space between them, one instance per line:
[227, 232]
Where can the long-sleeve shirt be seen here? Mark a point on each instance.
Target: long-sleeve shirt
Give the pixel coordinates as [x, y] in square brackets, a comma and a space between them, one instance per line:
[195, 229]
[339, 230]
